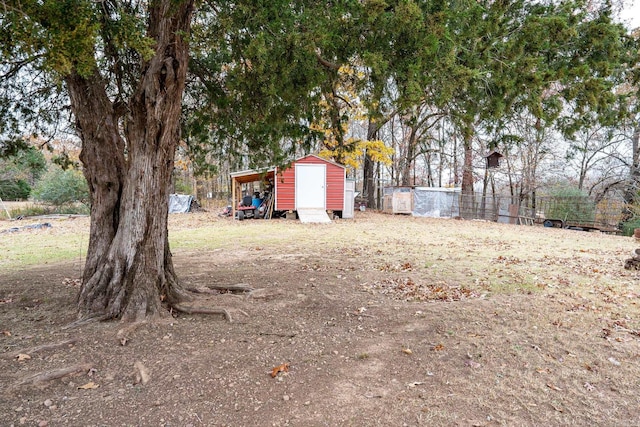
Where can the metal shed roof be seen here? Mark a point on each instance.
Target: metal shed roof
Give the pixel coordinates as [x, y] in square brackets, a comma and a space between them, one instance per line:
[251, 175]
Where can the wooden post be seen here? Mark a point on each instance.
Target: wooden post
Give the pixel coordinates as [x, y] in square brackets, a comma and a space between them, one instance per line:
[5, 209]
[233, 198]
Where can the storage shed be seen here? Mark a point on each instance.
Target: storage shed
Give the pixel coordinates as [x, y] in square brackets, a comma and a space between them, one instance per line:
[436, 202]
[397, 200]
[310, 186]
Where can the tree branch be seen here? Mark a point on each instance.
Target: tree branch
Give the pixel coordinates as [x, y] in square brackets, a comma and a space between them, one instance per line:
[326, 63]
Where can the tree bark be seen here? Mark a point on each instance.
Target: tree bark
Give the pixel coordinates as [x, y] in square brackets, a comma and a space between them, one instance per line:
[129, 269]
[467, 169]
[103, 162]
[368, 183]
[407, 162]
[631, 191]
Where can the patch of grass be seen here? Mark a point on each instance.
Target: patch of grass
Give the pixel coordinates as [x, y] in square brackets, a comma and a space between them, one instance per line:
[493, 258]
[29, 210]
[272, 234]
[66, 240]
[508, 287]
[52, 251]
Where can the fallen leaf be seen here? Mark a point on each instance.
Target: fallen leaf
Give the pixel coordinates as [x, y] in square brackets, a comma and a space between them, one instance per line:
[438, 347]
[142, 373]
[407, 351]
[614, 361]
[552, 387]
[89, 386]
[281, 368]
[472, 364]
[22, 357]
[6, 333]
[413, 384]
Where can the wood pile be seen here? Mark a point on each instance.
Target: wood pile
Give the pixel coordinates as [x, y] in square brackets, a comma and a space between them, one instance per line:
[633, 263]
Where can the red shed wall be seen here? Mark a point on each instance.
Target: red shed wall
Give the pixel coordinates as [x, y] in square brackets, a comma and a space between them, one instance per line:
[285, 185]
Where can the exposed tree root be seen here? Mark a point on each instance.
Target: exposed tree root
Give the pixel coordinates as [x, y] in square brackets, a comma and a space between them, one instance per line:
[206, 310]
[45, 347]
[265, 294]
[43, 377]
[123, 334]
[86, 321]
[205, 291]
[240, 288]
[197, 310]
[237, 288]
[274, 334]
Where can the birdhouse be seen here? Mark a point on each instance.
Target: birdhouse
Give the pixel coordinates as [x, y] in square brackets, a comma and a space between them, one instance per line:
[493, 159]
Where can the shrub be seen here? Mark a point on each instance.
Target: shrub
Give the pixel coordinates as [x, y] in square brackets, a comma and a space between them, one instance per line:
[629, 226]
[14, 189]
[569, 203]
[62, 187]
[37, 210]
[31, 210]
[182, 186]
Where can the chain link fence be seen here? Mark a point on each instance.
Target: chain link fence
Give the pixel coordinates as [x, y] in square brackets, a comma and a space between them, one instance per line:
[563, 212]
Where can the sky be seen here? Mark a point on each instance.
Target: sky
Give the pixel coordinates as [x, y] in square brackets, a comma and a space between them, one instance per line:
[631, 13]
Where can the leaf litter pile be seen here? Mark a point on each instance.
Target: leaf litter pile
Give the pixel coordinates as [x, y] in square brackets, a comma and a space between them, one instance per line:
[408, 290]
[380, 320]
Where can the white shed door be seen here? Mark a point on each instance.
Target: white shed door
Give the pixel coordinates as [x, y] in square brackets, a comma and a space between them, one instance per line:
[349, 198]
[311, 186]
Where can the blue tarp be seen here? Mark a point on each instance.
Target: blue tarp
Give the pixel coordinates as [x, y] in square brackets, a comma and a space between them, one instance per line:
[180, 203]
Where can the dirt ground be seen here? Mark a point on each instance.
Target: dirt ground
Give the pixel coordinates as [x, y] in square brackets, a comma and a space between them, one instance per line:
[382, 320]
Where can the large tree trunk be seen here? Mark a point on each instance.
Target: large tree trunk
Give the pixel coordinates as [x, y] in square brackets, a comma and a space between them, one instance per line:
[407, 162]
[467, 169]
[633, 185]
[129, 270]
[368, 183]
[467, 202]
[97, 125]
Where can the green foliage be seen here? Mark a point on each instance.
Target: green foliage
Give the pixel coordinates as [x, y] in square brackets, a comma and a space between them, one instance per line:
[570, 204]
[19, 171]
[42, 42]
[183, 186]
[26, 164]
[11, 146]
[31, 210]
[260, 69]
[33, 162]
[14, 189]
[629, 226]
[62, 187]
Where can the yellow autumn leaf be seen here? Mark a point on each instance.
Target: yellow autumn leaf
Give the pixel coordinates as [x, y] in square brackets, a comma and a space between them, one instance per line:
[89, 386]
